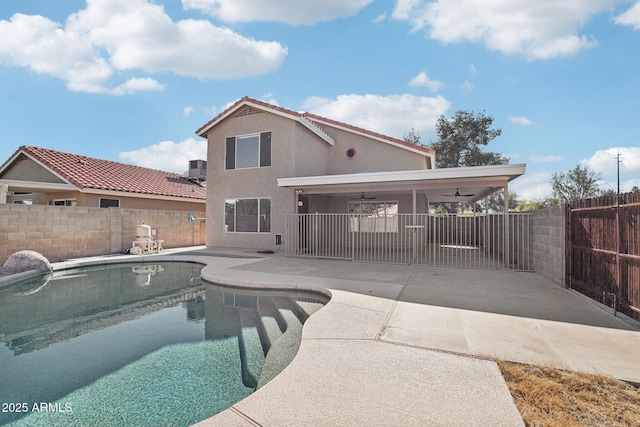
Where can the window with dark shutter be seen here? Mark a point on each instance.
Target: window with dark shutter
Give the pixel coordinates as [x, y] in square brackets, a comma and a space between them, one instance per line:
[248, 151]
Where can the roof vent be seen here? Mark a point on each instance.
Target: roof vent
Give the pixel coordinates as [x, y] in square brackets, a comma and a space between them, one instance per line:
[198, 170]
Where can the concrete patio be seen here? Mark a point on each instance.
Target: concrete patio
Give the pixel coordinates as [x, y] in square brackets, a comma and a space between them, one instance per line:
[414, 345]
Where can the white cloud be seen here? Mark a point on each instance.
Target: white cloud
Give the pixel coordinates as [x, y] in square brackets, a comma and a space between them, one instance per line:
[630, 17]
[188, 110]
[473, 69]
[532, 186]
[604, 161]
[115, 35]
[546, 159]
[422, 79]
[521, 121]
[536, 29]
[294, 12]
[136, 85]
[380, 18]
[40, 44]
[392, 115]
[467, 85]
[167, 155]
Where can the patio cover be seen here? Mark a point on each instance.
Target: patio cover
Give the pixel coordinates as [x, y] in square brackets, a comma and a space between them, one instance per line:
[438, 185]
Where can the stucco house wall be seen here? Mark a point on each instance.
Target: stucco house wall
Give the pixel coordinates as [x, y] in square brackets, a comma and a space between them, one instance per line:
[311, 155]
[371, 155]
[259, 182]
[300, 147]
[28, 170]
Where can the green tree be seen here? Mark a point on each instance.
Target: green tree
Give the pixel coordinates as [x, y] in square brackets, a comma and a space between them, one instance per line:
[461, 139]
[413, 137]
[579, 183]
[532, 205]
[495, 201]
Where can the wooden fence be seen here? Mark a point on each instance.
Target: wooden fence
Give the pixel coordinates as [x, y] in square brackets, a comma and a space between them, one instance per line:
[603, 250]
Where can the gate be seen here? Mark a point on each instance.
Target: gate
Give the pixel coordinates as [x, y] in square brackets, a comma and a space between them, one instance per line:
[478, 241]
[603, 250]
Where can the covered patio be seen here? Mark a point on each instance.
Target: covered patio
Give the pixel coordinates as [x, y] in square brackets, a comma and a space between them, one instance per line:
[387, 217]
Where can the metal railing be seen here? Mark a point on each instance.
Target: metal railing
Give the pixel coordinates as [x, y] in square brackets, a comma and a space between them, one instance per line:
[480, 241]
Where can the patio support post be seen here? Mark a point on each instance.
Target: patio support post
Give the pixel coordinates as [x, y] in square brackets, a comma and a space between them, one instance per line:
[485, 237]
[506, 224]
[414, 232]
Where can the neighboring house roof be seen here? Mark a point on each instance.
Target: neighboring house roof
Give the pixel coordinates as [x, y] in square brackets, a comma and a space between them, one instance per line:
[88, 173]
[310, 120]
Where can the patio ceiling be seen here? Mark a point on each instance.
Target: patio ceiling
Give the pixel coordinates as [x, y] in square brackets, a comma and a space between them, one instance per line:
[439, 185]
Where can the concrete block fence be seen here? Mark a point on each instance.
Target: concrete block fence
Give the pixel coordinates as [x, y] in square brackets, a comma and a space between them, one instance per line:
[64, 232]
[548, 241]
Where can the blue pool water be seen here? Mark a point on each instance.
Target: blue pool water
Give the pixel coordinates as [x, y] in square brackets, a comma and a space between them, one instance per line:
[139, 344]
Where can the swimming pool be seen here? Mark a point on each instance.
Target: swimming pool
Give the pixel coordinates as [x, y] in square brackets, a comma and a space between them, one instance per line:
[139, 344]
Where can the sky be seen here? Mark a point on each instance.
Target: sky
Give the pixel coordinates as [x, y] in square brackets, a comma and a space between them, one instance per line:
[132, 80]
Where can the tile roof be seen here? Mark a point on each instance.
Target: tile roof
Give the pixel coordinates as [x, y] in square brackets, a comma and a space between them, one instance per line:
[87, 172]
[314, 119]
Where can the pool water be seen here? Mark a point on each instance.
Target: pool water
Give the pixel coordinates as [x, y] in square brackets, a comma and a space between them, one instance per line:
[139, 344]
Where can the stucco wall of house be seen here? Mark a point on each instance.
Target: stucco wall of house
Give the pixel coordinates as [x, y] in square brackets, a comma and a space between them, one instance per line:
[93, 201]
[25, 169]
[371, 155]
[295, 151]
[311, 153]
[63, 232]
[250, 183]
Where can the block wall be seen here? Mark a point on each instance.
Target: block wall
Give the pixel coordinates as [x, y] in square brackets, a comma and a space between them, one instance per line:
[548, 243]
[64, 232]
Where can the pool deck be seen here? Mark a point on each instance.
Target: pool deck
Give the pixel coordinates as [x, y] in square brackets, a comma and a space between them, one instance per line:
[414, 345]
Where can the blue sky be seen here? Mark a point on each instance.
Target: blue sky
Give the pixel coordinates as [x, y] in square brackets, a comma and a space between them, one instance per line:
[131, 80]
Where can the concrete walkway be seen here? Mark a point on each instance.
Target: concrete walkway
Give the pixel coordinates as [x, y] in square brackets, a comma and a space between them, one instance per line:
[413, 345]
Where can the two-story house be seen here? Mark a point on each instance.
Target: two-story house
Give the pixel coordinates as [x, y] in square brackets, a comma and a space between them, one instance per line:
[272, 169]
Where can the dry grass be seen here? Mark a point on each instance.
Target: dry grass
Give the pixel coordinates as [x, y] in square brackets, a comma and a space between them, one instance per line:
[546, 396]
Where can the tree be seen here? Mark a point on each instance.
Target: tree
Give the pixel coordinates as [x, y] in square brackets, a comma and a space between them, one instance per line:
[461, 139]
[495, 201]
[413, 137]
[532, 205]
[579, 183]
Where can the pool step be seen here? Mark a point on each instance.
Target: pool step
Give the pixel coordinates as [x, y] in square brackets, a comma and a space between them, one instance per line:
[269, 334]
[284, 349]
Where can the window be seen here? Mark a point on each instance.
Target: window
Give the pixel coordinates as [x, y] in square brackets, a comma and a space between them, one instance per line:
[109, 203]
[63, 202]
[374, 217]
[247, 215]
[248, 151]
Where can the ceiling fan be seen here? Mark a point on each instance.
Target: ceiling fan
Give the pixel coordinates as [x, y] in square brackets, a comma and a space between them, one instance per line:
[457, 194]
[362, 197]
